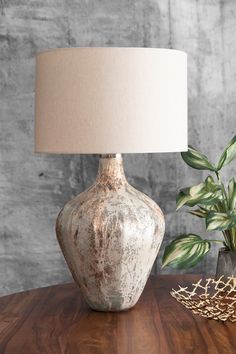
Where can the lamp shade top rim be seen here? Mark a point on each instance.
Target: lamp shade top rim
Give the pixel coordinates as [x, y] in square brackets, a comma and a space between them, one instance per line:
[167, 50]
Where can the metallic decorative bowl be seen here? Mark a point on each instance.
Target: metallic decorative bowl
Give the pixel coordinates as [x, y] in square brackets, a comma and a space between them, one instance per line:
[210, 298]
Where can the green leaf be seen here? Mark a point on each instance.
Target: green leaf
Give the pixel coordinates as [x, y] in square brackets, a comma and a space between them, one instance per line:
[201, 212]
[228, 155]
[221, 221]
[196, 159]
[211, 185]
[232, 194]
[206, 193]
[197, 190]
[182, 199]
[185, 251]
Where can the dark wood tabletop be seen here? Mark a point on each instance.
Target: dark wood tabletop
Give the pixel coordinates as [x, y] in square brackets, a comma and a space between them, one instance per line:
[56, 320]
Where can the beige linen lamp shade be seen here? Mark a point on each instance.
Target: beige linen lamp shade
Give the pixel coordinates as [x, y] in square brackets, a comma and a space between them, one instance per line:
[111, 100]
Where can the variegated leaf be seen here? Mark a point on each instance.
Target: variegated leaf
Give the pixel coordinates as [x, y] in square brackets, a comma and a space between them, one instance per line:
[197, 190]
[228, 155]
[197, 160]
[182, 199]
[211, 185]
[185, 251]
[221, 221]
[206, 193]
[201, 212]
[232, 194]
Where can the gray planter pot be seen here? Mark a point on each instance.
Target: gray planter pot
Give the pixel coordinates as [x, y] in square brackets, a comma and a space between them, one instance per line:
[226, 263]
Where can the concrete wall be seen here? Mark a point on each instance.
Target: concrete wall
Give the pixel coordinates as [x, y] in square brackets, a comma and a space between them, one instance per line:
[33, 188]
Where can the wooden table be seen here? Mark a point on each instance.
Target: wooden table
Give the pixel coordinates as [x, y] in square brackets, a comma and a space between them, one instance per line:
[57, 320]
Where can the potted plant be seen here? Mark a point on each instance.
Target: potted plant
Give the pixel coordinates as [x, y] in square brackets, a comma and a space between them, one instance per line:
[212, 201]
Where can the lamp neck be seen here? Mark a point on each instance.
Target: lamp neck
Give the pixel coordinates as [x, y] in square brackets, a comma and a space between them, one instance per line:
[111, 172]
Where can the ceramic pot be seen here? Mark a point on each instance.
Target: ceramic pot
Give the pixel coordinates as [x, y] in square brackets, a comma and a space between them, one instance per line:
[226, 263]
[110, 236]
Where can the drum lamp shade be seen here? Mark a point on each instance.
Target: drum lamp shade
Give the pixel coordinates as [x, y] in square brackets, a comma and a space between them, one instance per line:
[111, 100]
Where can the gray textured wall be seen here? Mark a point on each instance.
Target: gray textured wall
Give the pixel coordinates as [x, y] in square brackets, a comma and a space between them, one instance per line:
[33, 188]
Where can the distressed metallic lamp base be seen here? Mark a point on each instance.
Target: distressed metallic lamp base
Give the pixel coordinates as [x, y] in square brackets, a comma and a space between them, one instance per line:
[110, 236]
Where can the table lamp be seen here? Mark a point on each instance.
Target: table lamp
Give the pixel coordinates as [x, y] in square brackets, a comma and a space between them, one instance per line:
[110, 101]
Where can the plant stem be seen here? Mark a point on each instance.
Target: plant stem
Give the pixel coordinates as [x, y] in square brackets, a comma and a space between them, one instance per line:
[224, 194]
[218, 241]
[227, 239]
[232, 237]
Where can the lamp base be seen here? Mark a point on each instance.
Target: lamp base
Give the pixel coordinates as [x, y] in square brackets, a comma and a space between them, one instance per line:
[110, 236]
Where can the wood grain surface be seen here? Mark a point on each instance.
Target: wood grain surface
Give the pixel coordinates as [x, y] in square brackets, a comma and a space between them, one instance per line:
[56, 320]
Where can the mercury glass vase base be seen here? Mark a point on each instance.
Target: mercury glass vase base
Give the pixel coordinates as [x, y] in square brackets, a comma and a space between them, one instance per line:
[110, 236]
